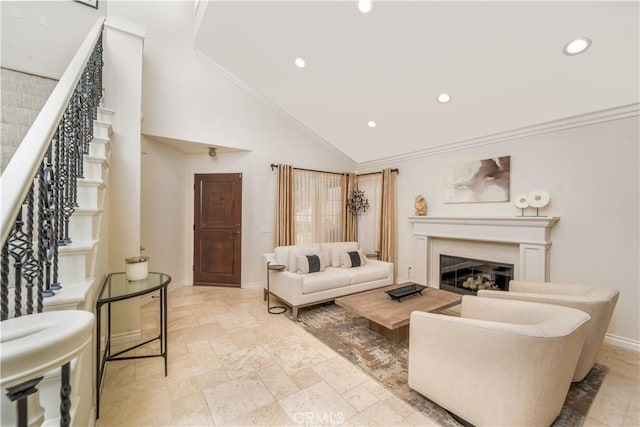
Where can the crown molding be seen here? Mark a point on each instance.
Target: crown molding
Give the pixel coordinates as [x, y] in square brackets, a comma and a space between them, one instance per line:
[271, 105]
[587, 119]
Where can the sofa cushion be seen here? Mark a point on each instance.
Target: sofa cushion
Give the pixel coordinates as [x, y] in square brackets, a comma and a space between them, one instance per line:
[336, 247]
[367, 273]
[352, 259]
[331, 278]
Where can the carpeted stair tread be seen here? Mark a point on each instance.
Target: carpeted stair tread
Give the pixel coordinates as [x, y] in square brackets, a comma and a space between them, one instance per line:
[29, 84]
[18, 115]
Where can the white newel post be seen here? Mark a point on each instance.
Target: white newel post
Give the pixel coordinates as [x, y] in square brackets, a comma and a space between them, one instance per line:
[530, 236]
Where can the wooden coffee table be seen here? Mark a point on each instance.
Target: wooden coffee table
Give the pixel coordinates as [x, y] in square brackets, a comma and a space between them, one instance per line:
[390, 318]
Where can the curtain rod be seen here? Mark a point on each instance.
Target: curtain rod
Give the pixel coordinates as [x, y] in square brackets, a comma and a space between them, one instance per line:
[273, 166]
[373, 173]
[309, 170]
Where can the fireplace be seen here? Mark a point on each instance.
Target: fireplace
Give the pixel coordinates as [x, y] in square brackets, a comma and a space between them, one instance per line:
[468, 275]
[523, 242]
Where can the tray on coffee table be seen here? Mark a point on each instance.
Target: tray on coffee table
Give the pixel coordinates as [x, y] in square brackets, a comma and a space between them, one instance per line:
[405, 291]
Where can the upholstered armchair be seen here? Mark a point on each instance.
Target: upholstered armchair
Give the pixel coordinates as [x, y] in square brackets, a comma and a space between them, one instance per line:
[596, 301]
[502, 363]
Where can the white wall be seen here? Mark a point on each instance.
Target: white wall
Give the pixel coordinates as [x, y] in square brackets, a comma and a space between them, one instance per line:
[591, 173]
[197, 105]
[164, 209]
[44, 35]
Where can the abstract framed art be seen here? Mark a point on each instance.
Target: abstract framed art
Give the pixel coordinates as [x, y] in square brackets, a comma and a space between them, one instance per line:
[486, 180]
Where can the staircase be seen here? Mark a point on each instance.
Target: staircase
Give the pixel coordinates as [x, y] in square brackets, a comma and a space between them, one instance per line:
[23, 96]
[80, 274]
[52, 153]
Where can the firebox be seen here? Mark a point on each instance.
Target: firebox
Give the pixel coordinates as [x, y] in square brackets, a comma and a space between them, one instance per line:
[468, 275]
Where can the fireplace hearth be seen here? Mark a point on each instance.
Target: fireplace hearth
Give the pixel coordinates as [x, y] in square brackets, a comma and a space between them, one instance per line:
[468, 275]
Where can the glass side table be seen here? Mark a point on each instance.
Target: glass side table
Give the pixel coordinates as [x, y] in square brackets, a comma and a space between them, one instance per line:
[276, 309]
[116, 287]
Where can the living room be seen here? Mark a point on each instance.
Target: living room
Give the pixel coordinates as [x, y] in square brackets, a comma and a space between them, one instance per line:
[570, 161]
[587, 161]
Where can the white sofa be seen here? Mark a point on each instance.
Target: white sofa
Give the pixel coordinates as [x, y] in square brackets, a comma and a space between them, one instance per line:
[304, 289]
[502, 363]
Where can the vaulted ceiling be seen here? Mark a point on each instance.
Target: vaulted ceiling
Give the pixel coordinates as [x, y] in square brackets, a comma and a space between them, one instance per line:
[502, 63]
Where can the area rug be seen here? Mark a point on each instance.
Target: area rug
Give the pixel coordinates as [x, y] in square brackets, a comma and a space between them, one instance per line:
[349, 335]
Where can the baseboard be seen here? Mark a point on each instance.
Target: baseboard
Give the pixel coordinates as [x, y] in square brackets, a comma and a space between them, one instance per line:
[254, 285]
[622, 342]
[125, 337]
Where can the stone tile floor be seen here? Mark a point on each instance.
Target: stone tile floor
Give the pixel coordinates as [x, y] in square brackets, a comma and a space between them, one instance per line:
[232, 363]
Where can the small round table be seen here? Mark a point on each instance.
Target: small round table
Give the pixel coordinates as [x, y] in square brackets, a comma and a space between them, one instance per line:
[276, 309]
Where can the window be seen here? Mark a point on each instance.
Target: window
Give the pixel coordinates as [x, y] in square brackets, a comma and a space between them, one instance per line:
[317, 206]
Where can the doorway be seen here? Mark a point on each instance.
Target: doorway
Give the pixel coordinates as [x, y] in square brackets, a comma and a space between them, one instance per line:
[217, 229]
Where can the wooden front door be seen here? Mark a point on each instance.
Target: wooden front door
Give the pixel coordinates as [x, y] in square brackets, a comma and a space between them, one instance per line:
[217, 229]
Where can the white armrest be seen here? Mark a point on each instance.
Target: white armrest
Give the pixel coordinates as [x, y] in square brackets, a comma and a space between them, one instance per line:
[286, 285]
[456, 361]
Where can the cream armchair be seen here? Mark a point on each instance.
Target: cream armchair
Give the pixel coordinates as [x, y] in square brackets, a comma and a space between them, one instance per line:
[502, 363]
[598, 302]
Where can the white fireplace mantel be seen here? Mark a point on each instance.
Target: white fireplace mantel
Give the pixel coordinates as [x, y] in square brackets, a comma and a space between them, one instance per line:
[531, 235]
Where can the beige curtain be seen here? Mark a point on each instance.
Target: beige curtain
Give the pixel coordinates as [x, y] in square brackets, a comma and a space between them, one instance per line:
[284, 209]
[388, 218]
[369, 221]
[350, 223]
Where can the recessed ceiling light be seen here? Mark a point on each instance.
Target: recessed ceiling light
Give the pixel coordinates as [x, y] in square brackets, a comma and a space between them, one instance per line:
[365, 6]
[576, 46]
[372, 124]
[300, 63]
[443, 98]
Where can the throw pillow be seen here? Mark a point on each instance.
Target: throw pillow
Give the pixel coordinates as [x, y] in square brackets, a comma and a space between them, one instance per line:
[352, 259]
[336, 248]
[309, 263]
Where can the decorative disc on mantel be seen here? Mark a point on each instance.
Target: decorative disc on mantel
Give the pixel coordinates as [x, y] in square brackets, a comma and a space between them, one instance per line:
[538, 198]
[521, 201]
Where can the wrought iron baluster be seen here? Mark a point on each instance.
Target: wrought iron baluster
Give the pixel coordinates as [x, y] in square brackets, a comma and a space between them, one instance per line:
[20, 393]
[65, 393]
[58, 217]
[98, 70]
[42, 231]
[18, 246]
[61, 168]
[87, 108]
[67, 173]
[49, 242]
[4, 279]
[31, 267]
